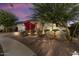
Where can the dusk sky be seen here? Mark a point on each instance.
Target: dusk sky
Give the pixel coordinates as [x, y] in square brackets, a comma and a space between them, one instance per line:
[21, 10]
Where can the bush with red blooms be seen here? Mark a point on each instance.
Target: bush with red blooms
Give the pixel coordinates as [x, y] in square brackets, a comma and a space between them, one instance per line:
[29, 25]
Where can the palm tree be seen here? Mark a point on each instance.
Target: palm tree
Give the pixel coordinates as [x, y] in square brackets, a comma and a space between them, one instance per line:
[59, 13]
[74, 29]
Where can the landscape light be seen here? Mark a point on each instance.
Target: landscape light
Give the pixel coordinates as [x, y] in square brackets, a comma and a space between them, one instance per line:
[16, 33]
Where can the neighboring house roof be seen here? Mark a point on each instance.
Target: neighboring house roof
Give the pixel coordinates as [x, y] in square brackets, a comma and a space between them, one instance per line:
[19, 22]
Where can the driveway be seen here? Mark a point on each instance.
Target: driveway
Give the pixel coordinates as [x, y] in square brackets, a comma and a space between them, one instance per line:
[12, 47]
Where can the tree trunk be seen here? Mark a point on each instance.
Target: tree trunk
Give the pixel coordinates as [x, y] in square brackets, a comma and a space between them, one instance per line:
[6, 29]
[30, 32]
[74, 31]
[43, 32]
[68, 31]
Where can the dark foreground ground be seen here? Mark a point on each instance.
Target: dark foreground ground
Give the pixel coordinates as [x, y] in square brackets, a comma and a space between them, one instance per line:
[1, 51]
[43, 46]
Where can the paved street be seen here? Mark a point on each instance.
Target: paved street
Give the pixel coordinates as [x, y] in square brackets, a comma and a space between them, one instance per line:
[12, 47]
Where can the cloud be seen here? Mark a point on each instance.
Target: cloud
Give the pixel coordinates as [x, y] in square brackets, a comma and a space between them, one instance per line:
[21, 10]
[15, 6]
[21, 5]
[22, 16]
[18, 5]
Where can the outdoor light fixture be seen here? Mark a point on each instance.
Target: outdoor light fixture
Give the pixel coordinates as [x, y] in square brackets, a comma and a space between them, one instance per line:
[16, 33]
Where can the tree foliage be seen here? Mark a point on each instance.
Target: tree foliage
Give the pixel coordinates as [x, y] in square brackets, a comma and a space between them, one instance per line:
[7, 19]
[74, 29]
[55, 12]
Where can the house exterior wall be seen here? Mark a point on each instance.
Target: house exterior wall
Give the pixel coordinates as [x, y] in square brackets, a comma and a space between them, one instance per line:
[21, 27]
[1, 27]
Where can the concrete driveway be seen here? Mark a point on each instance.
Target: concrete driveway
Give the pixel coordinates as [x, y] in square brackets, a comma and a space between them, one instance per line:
[12, 47]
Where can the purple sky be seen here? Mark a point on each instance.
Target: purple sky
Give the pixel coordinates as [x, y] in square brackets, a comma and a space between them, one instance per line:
[21, 10]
